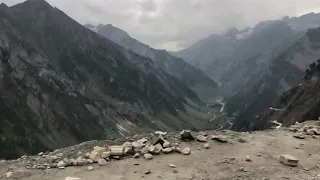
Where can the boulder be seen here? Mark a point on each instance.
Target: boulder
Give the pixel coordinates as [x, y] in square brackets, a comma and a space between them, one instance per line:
[116, 150]
[82, 162]
[206, 146]
[99, 149]
[102, 162]
[242, 140]
[137, 145]
[186, 151]
[148, 156]
[156, 140]
[105, 155]
[186, 135]
[167, 150]
[90, 168]
[299, 136]
[158, 148]
[166, 144]
[72, 178]
[136, 155]
[201, 138]
[94, 156]
[128, 148]
[289, 160]
[143, 141]
[172, 165]
[160, 133]
[61, 164]
[222, 139]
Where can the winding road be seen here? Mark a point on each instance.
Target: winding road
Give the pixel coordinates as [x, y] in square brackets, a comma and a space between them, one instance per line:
[213, 119]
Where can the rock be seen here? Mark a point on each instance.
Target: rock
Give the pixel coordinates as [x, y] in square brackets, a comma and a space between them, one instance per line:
[178, 150]
[116, 150]
[105, 155]
[128, 148]
[102, 162]
[87, 155]
[152, 149]
[242, 140]
[172, 165]
[68, 162]
[137, 145]
[143, 150]
[248, 158]
[166, 150]
[40, 154]
[61, 164]
[206, 146]
[99, 150]
[175, 171]
[288, 160]
[148, 172]
[186, 151]
[158, 148]
[166, 144]
[156, 140]
[8, 174]
[315, 131]
[148, 156]
[160, 133]
[82, 162]
[90, 168]
[116, 157]
[136, 155]
[143, 141]
[186, 135]
[201, 138]
[222, 139]
[72, 178]
[94, 156]
[299, 136]
[243, 169]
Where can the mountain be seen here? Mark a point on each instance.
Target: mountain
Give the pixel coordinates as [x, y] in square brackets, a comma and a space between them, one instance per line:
[194, 78]
[299, 104]
[256, 65]
[286, 72]
[61, 84]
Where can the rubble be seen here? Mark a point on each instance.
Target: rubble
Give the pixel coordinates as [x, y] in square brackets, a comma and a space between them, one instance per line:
[148, 156]
[201, 138]
[186, 135]
[220, 138]
[102, 162]
[299, 136]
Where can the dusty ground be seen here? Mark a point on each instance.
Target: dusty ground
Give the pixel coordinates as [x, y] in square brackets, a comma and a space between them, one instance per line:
[223, 161]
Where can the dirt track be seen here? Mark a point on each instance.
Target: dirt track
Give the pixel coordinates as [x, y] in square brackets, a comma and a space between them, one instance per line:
[223, 161]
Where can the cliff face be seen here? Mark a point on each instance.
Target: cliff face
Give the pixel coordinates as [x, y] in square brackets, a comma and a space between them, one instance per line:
[61, 84]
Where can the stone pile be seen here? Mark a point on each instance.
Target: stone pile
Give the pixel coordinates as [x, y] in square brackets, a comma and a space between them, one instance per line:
[301, 132]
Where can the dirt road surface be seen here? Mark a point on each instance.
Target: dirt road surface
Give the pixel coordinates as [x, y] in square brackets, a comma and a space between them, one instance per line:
[223, 161]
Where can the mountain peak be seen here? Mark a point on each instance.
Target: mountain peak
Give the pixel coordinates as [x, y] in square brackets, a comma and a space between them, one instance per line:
[34, 3]
[232, 31]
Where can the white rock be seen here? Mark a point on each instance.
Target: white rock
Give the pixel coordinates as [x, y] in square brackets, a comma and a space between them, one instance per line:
[186, 151]
[206, 146]
[72, 178]
[102, 162]
[61, 164]
[8, 174]
[40, 154]
[87, 155]
[90, 168]
[136, 155]
[201, 138]
[167, 150]
[143, 140]
[248, 158]
[99, 150]
[148, 156]
[222, 139]
[160, 133]
[116, 150]
[289, 160]
[94, 156]
[172, 165]
[166, 144]
[105, 155]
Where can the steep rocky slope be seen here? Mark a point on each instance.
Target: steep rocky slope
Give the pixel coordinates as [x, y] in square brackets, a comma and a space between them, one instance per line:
[62, 84]
[286, 72]
[299, 104]
[194, 78]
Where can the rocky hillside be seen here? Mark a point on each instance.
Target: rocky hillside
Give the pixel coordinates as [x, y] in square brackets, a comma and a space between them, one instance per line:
[299, 104]
[286, 71]
[194, 78]
[61, 84]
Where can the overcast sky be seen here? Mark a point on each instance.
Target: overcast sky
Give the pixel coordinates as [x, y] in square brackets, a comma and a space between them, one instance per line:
[176, 24]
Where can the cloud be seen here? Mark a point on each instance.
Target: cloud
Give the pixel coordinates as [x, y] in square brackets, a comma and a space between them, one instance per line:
[176, 24]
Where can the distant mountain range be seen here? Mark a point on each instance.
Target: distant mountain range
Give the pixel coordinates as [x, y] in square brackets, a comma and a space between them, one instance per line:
[204, 86]
[256, 65]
